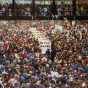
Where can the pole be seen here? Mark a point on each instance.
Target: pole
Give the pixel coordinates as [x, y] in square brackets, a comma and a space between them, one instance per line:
[33, 9]
[74, 8]
[13, 8]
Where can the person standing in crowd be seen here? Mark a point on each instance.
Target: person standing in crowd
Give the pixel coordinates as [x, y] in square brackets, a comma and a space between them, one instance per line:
[23, 65]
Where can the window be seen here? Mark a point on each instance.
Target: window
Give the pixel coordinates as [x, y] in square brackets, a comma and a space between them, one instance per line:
[82, 7]
[39, 9]
[42, 7]
[23, 7]
[64, 8]
[5, 8]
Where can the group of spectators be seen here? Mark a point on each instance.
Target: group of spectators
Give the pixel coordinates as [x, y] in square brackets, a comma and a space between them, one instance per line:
[71, 51]
[22, 65]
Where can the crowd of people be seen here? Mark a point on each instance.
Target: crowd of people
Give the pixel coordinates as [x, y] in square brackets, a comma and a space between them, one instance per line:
[22, 65]
[72, 54]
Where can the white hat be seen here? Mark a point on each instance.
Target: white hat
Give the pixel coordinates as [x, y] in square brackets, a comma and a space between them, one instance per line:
[38, 82]
[83, 84]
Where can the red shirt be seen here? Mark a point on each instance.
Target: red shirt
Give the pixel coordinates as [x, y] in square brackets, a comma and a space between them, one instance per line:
[24, 55]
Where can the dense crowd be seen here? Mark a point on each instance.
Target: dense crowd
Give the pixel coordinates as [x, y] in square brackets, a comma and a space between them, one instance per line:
[22, 65]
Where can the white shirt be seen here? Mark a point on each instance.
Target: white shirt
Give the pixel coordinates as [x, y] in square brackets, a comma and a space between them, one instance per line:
[1, 84]
[13, 81]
